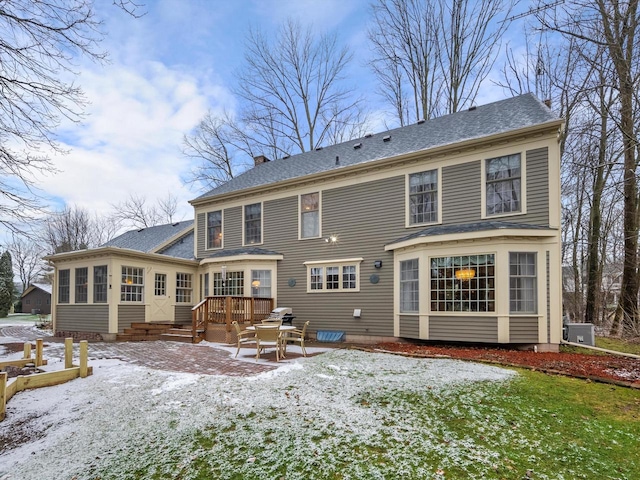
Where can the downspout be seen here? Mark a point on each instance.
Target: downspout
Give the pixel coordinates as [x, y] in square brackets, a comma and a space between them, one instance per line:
[613, 352]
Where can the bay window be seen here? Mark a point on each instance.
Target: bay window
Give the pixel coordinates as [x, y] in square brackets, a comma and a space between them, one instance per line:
[463, 283]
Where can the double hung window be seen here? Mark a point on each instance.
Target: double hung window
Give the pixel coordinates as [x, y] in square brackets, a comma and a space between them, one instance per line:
[132, 284]
[261, 283]
[64, 278]
[310, 215]
[100, 284]
[184, 287]
[82, 281]
[423, 197]
[214, 229]
[232, 285]
[253, 224]
[409, 286]
[504, 185]
[522, 282]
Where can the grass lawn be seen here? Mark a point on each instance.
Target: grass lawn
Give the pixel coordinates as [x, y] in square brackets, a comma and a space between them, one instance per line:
[610, 343]
[373, 422]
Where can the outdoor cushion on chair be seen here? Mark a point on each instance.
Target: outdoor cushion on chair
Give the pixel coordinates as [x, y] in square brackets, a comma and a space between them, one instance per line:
[296, 336]
[268, 336]
[244, 336]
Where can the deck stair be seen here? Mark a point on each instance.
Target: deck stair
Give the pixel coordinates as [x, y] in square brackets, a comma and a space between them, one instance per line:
[156, 331]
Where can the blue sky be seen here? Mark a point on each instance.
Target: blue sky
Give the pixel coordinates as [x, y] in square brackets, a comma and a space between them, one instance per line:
[166, 70]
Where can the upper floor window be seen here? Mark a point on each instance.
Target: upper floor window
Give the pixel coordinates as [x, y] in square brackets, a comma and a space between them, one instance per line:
[341, 275]
[132, 284]
[64, 279]
[310, 215]
[100, 284]
[253, 224]
[214, 229]
[423, 197]
[82, 280]
[503, 185]
[522, 282]
[409, 286]
[184, 287]
[463, 283]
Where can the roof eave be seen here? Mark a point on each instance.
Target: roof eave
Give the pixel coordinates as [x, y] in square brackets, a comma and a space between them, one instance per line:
[125, 252]
[550, 126]
[476, 235]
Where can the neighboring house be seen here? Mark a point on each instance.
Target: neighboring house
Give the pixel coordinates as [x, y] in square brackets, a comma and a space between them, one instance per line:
[446, 230]
[37, 299]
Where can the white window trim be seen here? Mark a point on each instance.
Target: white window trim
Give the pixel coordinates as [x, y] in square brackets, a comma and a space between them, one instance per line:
[407, 196]
[206, 229]
[142, 285]
[244, 238]
[523, 186]
[334, 263]
[166, 284]
[300, 237]
[185, 289]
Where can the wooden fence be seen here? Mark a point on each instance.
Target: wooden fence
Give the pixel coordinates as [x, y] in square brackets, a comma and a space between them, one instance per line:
[8, 388]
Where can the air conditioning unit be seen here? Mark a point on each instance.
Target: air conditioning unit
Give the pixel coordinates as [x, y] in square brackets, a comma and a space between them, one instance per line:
[581, 333]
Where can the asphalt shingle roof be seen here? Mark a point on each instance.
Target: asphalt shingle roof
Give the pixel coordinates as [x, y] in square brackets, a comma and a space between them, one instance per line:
[147, 240]
[468, 228]
[498, 117]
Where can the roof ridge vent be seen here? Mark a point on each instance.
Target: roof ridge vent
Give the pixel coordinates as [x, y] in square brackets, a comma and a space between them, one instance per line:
[472, 108]
[421, 121]
[368, 135]
[319, 148]
[175, 224]
[357, 146]
[386, 138]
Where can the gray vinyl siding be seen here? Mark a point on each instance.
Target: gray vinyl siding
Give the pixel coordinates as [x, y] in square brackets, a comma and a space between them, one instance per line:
[128, 314]
[464, 329]
[183, 314]
[201, 240]
[346, 212]
[537, 187]
[232, 227]
[82, 318]
[462, 193]
[523, 330]
[410, 326]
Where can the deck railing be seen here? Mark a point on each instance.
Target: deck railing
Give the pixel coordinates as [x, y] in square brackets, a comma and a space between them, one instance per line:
[225, 310]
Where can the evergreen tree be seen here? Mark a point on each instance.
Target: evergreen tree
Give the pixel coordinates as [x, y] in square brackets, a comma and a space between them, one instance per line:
[6, 284]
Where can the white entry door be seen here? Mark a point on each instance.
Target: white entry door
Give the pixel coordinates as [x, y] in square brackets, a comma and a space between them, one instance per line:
[160, 309]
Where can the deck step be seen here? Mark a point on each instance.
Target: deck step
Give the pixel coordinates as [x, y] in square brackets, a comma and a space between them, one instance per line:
[175, 337]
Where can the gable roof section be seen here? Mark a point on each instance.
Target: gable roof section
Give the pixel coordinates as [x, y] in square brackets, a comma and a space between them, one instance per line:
[45, 287]
[499, 117]
[152, 239]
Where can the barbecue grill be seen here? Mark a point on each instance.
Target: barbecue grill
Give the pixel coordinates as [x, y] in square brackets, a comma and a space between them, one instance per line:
[282, 313]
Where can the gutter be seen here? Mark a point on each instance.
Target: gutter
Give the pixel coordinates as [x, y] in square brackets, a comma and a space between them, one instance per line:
[613, 352]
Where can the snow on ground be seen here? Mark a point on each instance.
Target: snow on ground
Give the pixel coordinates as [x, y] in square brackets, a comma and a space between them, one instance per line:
[124, 417]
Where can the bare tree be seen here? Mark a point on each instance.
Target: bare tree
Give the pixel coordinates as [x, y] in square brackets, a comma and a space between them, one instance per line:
[293, 90]
[26, 256]
[216, 145]
[68, 230]
[432, 57]
[135, 212]
[40, 40]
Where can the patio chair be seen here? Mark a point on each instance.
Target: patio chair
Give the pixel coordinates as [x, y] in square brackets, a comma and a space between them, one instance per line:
[296, 336]
[267, 336]
[244, 336]
[272, 321]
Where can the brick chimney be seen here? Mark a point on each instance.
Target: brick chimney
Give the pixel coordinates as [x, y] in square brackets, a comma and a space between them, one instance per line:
[260, 159]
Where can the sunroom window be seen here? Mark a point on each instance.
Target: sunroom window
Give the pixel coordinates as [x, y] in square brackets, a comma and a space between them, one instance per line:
[132, 284]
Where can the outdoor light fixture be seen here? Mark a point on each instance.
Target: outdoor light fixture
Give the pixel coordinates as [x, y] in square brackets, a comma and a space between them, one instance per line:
[465, 274]
[332, 239]
[377, 264]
